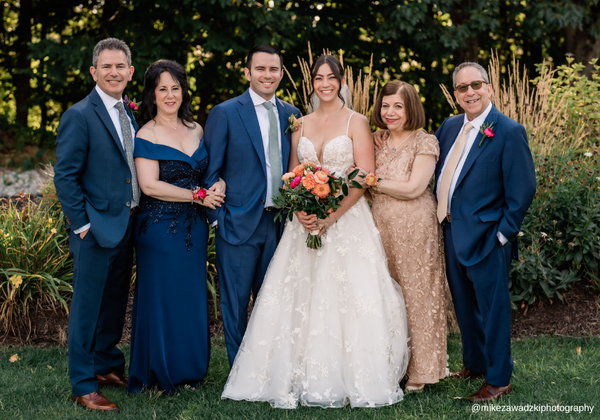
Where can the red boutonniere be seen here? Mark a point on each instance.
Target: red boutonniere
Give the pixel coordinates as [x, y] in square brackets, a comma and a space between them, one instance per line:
[488, 132]
[293, 124]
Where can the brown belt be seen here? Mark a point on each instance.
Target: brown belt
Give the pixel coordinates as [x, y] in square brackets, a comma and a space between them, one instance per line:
[447, 219]
[270, 208]
[132, 211]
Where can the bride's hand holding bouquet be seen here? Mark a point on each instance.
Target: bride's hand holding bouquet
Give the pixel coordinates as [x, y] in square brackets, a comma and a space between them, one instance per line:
[311, 190]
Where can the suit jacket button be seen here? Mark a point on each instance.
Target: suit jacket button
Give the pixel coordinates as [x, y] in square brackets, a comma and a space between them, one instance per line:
[263, 201]
[128, 204]
[265, 178]
[128, 180]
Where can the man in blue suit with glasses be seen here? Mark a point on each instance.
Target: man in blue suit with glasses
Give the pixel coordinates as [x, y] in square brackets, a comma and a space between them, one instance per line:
[485, 182]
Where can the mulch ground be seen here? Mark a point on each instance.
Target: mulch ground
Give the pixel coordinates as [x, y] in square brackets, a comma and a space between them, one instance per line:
[577, 315]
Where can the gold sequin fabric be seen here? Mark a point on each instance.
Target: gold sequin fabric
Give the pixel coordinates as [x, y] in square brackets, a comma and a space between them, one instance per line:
[413, 242]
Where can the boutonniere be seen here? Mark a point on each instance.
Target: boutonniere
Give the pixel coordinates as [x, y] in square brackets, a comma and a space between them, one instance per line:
[487, 129]
[293, 124]
[132, 104]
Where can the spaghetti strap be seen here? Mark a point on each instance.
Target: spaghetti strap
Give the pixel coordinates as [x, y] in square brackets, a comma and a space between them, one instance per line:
[348, 127]
[302, 127]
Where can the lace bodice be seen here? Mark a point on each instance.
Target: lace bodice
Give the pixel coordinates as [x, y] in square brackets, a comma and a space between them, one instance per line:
[338, 153]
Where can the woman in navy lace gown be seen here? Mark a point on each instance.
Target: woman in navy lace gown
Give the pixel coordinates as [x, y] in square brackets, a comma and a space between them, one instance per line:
[170, 339]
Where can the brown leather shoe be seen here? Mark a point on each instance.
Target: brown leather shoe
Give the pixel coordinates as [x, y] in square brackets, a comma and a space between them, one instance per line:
[114, 378]
[466, 373]
[489, 392]
[96, 401]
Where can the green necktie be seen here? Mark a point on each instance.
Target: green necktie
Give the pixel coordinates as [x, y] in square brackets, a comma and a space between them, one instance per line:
[274, 151]
[128, 143]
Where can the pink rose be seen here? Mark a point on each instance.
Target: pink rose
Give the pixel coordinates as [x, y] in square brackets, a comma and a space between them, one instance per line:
[296, 182]
[137, 107]
[321, 177]
[488, 132]
[200, 194]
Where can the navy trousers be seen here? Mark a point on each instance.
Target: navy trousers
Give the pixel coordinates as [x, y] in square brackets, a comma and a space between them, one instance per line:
[241, 271]
[482, 305]
[101, 280]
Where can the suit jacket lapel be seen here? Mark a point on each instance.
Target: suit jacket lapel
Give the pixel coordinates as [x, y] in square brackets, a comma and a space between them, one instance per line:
[250, 121]
[284, 115]
[105, 118]
[475, 151]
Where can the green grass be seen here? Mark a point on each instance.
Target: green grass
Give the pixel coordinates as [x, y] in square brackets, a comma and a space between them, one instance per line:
[548, 370]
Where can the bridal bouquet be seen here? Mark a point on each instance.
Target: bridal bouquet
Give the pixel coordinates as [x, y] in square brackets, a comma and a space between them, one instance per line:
[313, 189]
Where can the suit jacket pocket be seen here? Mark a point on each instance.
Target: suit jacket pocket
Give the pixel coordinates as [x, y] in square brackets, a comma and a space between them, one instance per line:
[491, 217]
[234, 199]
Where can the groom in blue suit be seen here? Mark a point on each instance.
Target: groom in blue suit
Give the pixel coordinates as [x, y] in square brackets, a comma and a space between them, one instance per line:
[97, 187]
[249, 148]
[485, 182]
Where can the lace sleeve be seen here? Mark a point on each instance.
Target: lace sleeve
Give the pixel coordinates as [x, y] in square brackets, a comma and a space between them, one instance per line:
[427, 144]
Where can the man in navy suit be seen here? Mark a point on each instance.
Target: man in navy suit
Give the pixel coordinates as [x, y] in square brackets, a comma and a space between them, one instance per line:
[249, 149]
[485, 182]
[97, 186]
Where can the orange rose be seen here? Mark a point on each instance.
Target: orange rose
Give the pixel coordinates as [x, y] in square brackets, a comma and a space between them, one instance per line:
[321, 190]
[371, 180]
[309, 163]
[288, 175]
[321, 177]
[299, 170]
[309, 182]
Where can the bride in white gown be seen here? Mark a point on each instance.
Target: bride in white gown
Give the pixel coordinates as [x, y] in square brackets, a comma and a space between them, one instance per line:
[329, 326]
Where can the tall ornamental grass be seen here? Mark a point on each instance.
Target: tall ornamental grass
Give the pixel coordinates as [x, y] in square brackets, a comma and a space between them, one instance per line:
[35, 268]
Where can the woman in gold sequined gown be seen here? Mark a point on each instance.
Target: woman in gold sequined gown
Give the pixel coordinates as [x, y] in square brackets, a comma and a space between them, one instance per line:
[404, 209]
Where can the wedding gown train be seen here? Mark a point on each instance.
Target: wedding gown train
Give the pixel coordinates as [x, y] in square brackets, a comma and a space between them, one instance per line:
[329, 326]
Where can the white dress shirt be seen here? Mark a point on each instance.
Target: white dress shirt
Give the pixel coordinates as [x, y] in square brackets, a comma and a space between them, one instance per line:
[476, 123]
[109, 103]
[263, 121]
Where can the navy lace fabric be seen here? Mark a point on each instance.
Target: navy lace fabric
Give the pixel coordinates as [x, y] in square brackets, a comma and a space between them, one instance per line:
[178, 172]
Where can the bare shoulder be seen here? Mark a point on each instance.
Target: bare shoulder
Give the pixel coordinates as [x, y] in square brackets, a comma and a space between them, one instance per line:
[147, 132]
[359, 125]
[198, 130]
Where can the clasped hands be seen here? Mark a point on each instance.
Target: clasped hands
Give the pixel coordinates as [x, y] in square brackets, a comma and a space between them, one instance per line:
[215, 195]
[311, 223]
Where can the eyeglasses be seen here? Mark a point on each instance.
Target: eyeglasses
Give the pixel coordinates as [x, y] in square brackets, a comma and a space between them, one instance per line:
[476, 85]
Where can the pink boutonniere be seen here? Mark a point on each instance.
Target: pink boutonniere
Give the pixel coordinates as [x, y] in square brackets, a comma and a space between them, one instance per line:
[293, 124]
[132, 104]
[487, 130]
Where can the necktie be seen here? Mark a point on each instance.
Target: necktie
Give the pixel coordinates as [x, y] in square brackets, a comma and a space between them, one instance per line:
[128, 144]
[274, 151]
[451, 164]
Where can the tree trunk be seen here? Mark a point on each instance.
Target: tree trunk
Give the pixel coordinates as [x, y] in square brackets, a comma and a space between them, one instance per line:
[470, 52]
[583, 47]
[22, 77]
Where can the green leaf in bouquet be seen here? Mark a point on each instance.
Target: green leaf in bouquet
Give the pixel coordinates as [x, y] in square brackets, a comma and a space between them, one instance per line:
[353, 174]
[356, 184]
[345, 188]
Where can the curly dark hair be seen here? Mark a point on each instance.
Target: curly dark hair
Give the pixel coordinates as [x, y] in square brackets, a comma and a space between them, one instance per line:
[151, 79]
[336, 69]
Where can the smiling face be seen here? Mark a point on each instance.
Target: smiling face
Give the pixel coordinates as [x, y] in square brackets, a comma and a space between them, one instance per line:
[325, 84]
[112, 72]
[265, 74]
[393, 112]
[474, 102]
[168, 95]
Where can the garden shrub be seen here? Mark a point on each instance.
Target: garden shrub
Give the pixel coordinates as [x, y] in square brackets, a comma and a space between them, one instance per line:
[560, 238]
[35, 268]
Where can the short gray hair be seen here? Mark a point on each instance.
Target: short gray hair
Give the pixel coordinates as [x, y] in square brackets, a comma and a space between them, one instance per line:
[461, 66]
[111, 44]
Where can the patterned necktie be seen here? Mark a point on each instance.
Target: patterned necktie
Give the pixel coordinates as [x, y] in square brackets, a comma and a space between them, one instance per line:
[451, 164]
[128, 144]
[274, 151]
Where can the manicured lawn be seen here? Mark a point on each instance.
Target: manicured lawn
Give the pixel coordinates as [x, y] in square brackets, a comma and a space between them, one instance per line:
[548, 370]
